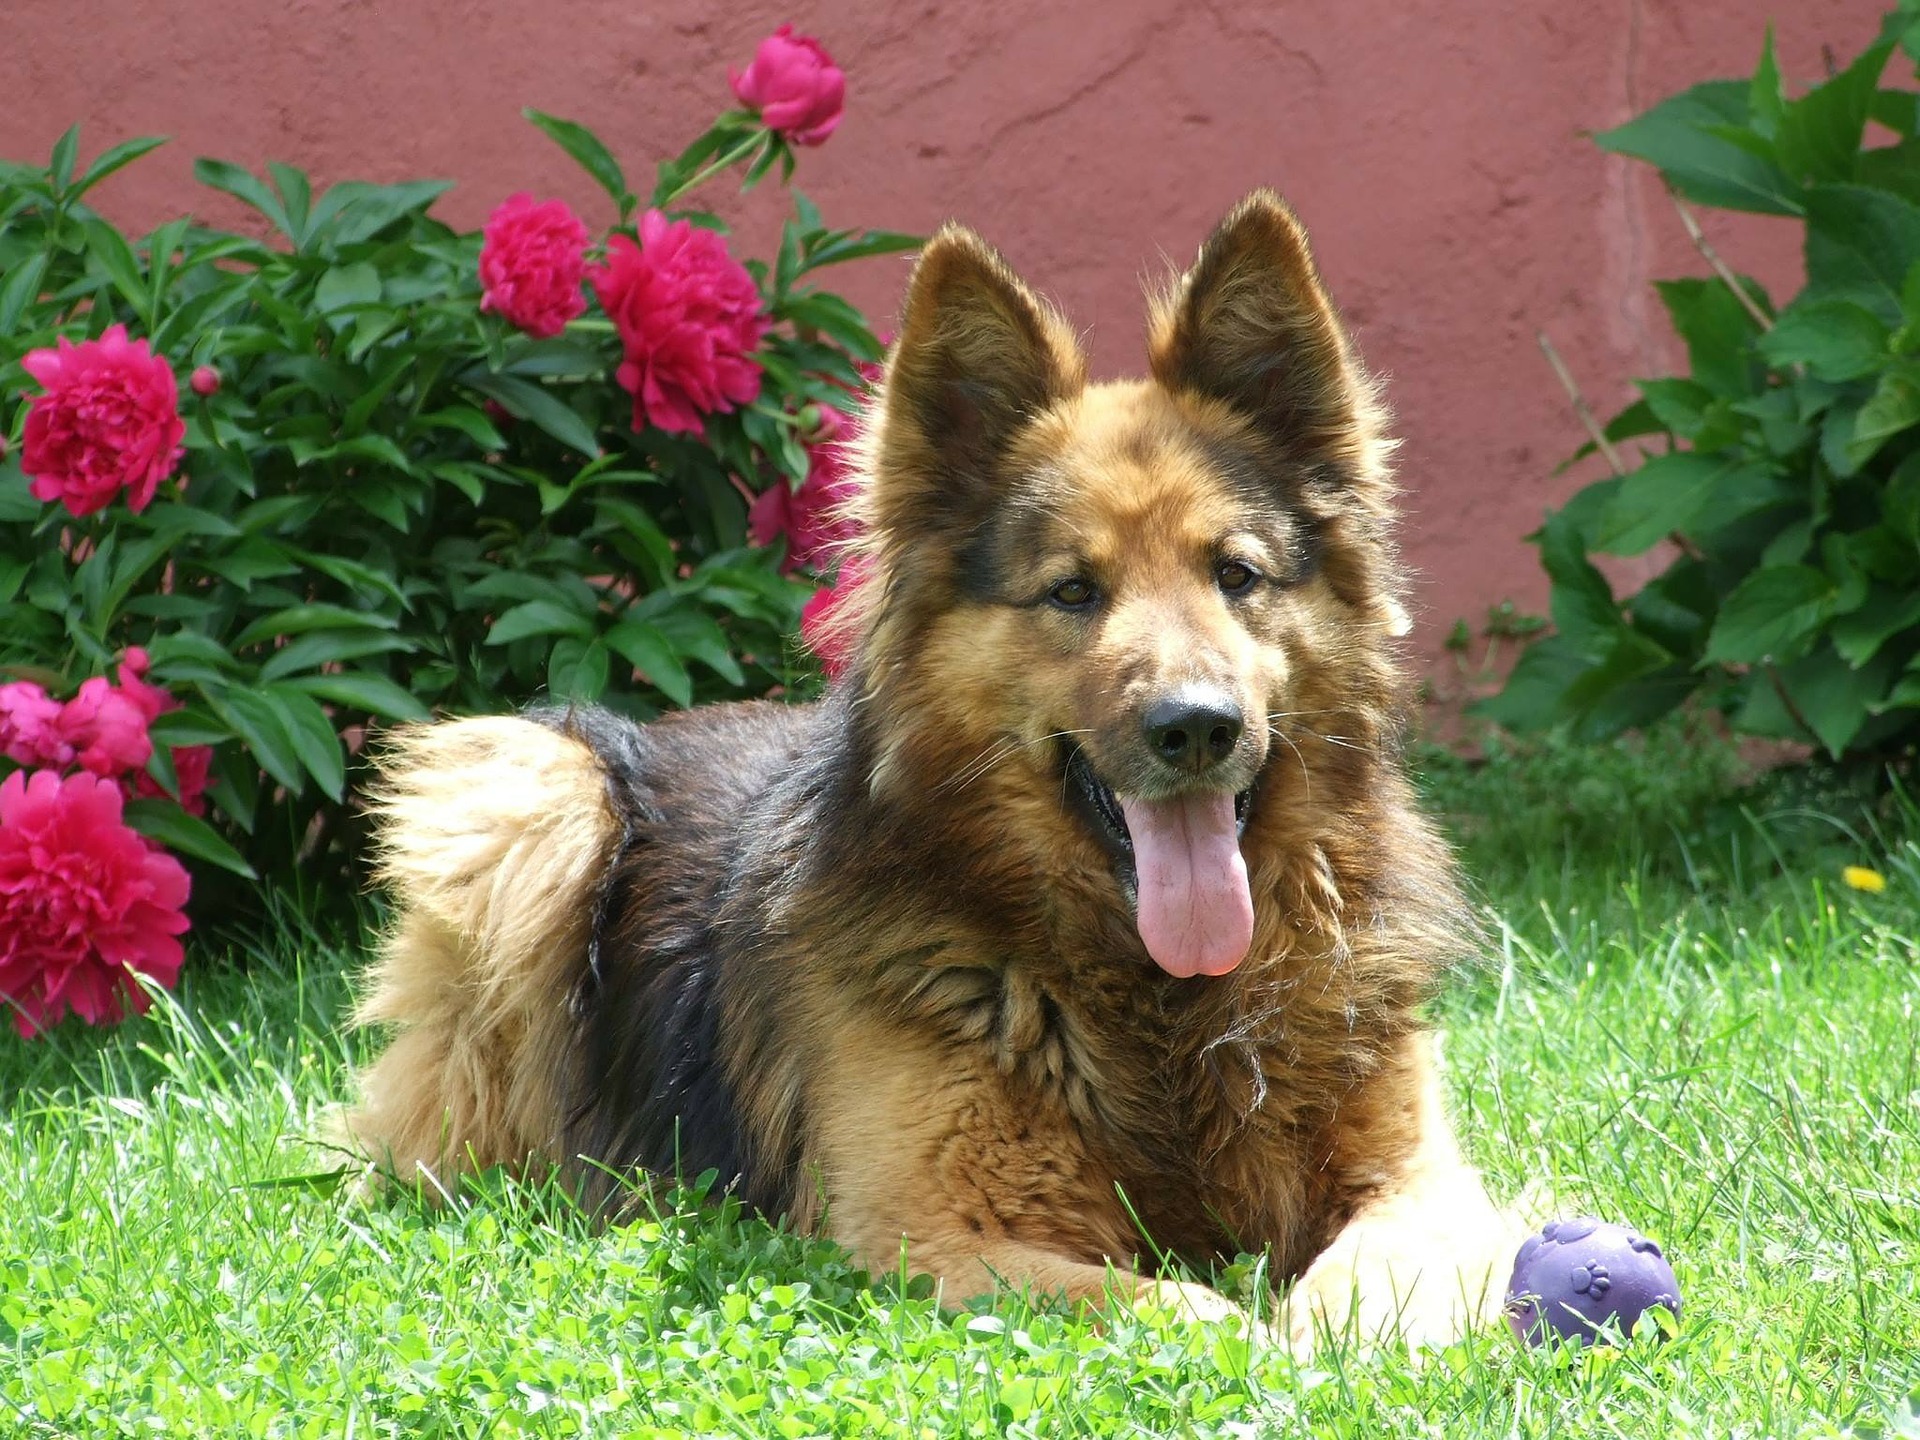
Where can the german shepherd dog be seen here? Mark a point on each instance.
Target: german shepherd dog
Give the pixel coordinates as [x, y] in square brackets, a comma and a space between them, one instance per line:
[1086, 921]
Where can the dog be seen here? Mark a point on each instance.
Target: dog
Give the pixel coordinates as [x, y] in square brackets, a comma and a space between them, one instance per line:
[1086, 921]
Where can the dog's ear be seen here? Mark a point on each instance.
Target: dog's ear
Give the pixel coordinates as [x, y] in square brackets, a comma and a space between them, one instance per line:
[1251, 325]
[977, 355]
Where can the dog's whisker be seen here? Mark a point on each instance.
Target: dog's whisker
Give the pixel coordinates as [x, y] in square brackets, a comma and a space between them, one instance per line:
[1306, 771]
[1002, 749]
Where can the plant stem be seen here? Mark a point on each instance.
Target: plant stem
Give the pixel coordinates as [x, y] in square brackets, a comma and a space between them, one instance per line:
[1580, 406]
[1793, 710]
[1720, 267]
[733, 157]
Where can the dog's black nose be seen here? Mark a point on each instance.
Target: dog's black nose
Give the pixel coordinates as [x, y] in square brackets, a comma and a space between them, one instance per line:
[1193, 729]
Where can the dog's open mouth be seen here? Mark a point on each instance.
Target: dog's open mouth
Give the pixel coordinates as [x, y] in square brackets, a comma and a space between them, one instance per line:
[1179, 859]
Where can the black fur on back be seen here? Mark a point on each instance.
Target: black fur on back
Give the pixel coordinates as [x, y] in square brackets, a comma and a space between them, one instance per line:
[691, 792]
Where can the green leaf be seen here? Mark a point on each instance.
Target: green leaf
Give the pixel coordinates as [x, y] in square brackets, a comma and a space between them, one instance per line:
[114, 158]
[1766, 99]
[1613, 694]
[245, 187]
[1736, 497]
[695, 634]
[1687, 137]
[1677, 404]
[263, 730]
[557, 356]
[1771, 615]
[299, 619]
[108, 246]
[196, 316]
[1833, 697]
[20, 289]
[1858, 636]
[296, 196]
[345, 287]
[531, 402]
[1718, 332]
[163, 246]
[1901, 502]
[17, 505]
[1834, 339]
[834, 317]
[577, 670]
[354, 210]
[1861, 244]
[360, 690]
[312, 735]
[65, 150]
[325, 647]
[650, 652]
[1535, 693]
[1656, 500]
[166, 822]
[589, 153]
[1676, 607]
[1891, 167]
[1893, 407]
[188, 726]
[841, 246]
[469, 421]
[539, 617]
[166, 650]
[1819, 134]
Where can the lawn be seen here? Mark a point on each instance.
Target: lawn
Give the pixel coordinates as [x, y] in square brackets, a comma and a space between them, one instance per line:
[1685, 1019]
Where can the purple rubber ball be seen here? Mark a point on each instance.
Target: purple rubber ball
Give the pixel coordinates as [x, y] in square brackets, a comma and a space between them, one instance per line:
[1577, 1275]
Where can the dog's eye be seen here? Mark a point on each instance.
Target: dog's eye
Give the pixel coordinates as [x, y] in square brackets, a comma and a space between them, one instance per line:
[1235, 577]
[1073, 594]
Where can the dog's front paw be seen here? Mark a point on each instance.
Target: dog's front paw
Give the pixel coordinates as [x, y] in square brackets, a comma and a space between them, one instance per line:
[1379, 1282]
[1190, 1302]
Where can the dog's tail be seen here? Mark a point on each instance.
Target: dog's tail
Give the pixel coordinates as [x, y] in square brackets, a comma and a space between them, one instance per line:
[495, 837]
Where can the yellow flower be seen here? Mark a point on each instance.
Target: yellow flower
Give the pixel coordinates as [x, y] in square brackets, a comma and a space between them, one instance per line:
[1861, 878]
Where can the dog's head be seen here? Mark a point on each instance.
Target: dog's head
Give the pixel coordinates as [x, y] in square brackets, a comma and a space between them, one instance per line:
[1159, 597]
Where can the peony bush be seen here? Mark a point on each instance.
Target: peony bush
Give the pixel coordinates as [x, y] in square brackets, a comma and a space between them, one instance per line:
[260, 497]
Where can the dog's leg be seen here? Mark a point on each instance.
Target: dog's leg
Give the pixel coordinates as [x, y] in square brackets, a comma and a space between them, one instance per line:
[940, 1158]
[1425, 1257]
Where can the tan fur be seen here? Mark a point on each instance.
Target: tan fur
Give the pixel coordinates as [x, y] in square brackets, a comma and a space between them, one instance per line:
[494, 835]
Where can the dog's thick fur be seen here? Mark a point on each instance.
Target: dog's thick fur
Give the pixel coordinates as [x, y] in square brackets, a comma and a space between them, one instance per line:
[877, 959]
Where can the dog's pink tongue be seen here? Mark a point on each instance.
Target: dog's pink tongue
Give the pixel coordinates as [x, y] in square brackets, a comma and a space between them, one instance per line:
[1196, 910]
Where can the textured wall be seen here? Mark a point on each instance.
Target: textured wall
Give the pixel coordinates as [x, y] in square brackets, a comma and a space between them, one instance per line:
[1434, 149]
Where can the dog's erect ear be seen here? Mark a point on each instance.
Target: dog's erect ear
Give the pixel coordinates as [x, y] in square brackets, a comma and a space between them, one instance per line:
[978, 354]
[1250, 325]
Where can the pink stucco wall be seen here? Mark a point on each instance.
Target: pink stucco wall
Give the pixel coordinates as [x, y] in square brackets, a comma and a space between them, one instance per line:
[1434, 149]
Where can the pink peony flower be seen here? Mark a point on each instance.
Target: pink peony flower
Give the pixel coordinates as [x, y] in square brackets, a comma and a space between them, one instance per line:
[85, 904]
[825, 627]
[689, 320]
[151, 700]
[794, 86]
[105, 729]
[192, 768]
[109, 421]
[531, 262]
[191, 763]
[813, 516]
[30, 726]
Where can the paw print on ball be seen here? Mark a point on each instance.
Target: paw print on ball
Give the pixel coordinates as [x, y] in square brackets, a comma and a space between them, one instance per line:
[1591, 1279]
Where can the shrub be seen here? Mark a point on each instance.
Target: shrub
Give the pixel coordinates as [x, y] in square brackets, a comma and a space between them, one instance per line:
[1786, 483]
[411, 468]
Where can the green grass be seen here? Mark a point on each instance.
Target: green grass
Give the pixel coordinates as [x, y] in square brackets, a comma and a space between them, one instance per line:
[1684, 1020]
